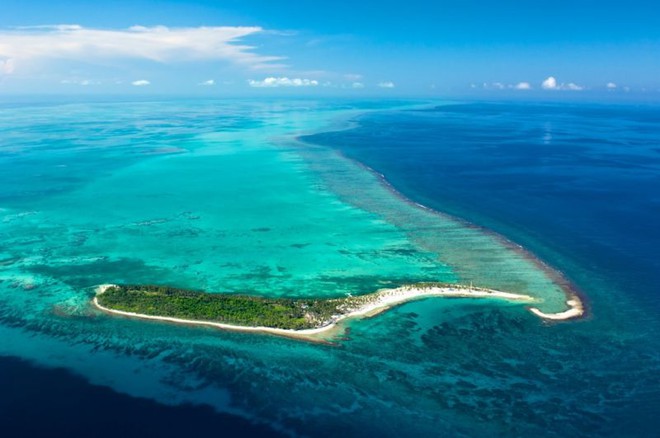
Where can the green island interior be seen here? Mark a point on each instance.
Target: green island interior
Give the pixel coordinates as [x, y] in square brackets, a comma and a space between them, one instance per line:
[234, 309]
[256, 311]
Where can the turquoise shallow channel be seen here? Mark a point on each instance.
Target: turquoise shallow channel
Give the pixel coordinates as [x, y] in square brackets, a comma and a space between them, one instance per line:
[222, 196]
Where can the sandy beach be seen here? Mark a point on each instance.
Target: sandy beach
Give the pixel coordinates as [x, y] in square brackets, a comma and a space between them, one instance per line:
[364, 306]
[575, 310]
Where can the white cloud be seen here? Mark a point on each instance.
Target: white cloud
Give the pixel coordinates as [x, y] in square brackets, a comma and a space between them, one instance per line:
[208, 83]
[357, 85]
[550, 84]
[140, 83]
[273, 82]
[7, 66]
[386, 84]
[83, 82]
[159, 43]
[523, 86]
[610, 86]
[572, 86]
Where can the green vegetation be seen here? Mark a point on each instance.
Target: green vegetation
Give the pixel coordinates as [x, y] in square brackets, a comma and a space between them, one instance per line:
[286, 313]
[242, 310]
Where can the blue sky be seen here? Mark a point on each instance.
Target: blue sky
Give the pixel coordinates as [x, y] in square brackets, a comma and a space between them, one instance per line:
[428, 48]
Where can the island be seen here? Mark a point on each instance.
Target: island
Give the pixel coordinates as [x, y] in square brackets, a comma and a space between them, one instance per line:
[304, 318]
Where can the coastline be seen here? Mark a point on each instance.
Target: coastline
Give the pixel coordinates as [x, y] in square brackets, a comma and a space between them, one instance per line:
[363, 307]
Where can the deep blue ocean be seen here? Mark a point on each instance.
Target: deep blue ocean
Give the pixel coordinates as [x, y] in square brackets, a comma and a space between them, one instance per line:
[576, 184]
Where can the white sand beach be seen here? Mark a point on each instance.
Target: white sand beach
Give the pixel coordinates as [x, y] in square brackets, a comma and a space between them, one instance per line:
[576, 310]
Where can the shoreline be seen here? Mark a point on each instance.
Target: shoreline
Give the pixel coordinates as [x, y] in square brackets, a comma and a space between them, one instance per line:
[364, 306]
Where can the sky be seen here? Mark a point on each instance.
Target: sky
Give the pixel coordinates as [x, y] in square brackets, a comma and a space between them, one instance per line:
[352, 48]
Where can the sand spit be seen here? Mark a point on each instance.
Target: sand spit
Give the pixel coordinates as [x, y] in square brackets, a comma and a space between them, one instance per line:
[576, 310]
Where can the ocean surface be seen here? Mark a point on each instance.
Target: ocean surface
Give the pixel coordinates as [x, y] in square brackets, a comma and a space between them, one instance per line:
[326, 198]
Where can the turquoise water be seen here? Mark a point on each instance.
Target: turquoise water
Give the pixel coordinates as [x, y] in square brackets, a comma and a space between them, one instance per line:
[220, 196]
[216, 208]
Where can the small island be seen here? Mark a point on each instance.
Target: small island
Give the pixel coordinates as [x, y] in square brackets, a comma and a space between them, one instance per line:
[304, 318]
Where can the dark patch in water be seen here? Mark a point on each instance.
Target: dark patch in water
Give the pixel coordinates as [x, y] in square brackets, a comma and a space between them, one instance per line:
[40, 402]
[101, 271]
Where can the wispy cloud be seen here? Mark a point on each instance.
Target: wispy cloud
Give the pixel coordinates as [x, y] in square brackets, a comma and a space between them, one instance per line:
[83, 82]
[273, 82]
[159, 44]
[208, 83]
[523, 86]
[494, 86]
[357, 85]
[386, 84]
[572, 86]
[140, 83]
[353, 77]
[7, 66]
[610, 86]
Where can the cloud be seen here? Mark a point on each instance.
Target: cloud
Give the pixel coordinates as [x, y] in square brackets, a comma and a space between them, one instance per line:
[273, 82]
[208, 83]
[353, 77]
[7, 66]
[159, 44]
[572, 86]
[386, 84]
[549, 84]
[357, 85]
[610, 86]
[140, 83]
[494, 86]
[523, 86]
[83, 82]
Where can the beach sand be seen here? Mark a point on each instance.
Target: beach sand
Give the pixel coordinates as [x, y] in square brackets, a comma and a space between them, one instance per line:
[575, 310]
